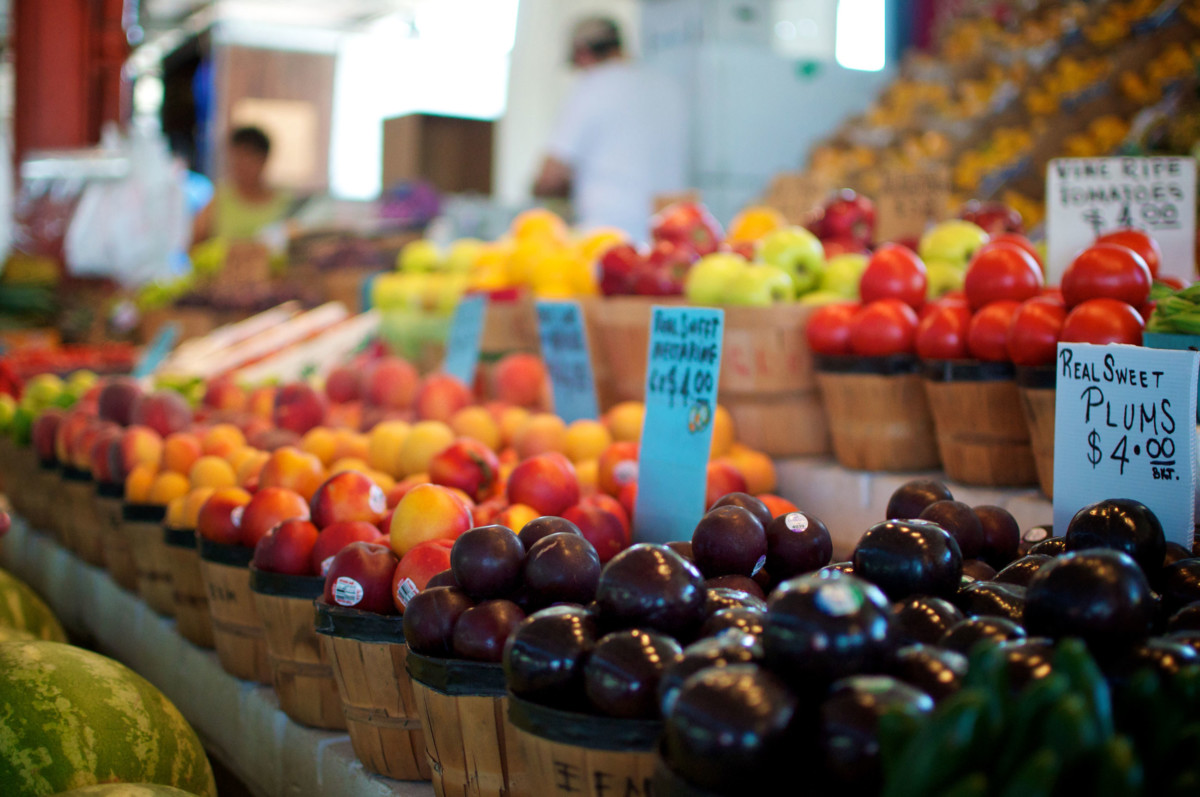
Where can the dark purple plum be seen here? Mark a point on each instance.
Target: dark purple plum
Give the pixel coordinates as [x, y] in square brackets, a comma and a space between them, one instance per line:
[486, 562]
[561, 568]
[1180, 584]
[683, 548]
[1186, 619]
[1001, 535]
[1051, 546]
[1020, 571]
[721, 651]
[749, 621]
[482, 630]
[961, 522]
[430, 617]
[719, 598]
[797, 543]
[739, 583]
[1119, 524]
[544, 526]
[729, 540]
[545, 654]
[992, 599]
[924, 620]
[966, 634]
[621, 676]
[748, 502]
[910, 499]
[1033, 536]
[650, 586]
[442, 579]
[935, 671]
[978, 570]
[907, 557]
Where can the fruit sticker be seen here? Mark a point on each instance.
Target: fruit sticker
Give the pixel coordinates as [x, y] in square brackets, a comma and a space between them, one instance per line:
[682, 364]
[406, 590]
[347, 591]
[796, 521]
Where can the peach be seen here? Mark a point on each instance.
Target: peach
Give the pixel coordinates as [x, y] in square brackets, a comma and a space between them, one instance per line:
[546, 482]
[116, 400]
[139, 445]
[349, 463]
[540, 434]
[586, 439]
[292, 468]
[273, 439]
[757, 468]
[287, 548]
[261, 403]
[722, 479]
[298, 407]
[167, 485]
[138, 483]
[624, 421]
[249, 468]
[515, 516]
[268, 508]
[391, 382]
[351, 445]
[321, 442]
[224, 394]
[222, 440]
[588, 473]
[617, 466]
[440, 396]
[511, 419]
[416, 567]
[384, 480]
[425, 440]
[401, 488]
[175, 512]
[69, 429]
[164, 411]
[44, 433]
[485, 512]
[220, 517]
[348, 415]
[722, 432]
[210, 471]
[477, 422]
[383, 446]
[192, 503]
[777, 504]
[345, 496]
[81, 447]
[604, 530]
[427, 512]
[468, 465]
[521, 379]
[180, 451]
[344, 383]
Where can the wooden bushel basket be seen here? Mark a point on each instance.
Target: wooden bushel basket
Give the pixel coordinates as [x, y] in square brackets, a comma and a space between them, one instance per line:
[82, 526]
[58, 510]
[301, 671]
[142, 525]
[118, 555]
[879, 418]
[768, 383]
[619, 329]
[192, 615]
[44, 490]
[1037, 387]
[368, 654]
[572, 753]
[237, 630]
[981, 430]
[473, 749]
[509, 325]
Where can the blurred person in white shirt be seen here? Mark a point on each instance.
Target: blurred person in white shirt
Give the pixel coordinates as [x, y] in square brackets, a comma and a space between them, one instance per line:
[621, 137]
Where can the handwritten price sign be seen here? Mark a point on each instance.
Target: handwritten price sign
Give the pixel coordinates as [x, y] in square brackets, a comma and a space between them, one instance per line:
[1125, 428]
[462, 347]
[565, 350]
[683, 363]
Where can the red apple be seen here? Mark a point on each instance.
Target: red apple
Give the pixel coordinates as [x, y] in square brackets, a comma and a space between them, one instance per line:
[687, 223]
[287, 548]
[847, 215]
[468, 465]
[996, 218]
[546, 482]
[424, 561]
[298, 407]
[617, 267]
[336, 537]
[360, 577]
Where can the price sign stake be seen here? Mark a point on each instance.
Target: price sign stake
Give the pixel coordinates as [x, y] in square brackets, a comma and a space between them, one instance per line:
[1125, 428]
[683, 363]
[462, 347]
[565, 350]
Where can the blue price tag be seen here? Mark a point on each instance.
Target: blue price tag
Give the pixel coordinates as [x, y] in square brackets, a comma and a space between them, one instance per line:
[462, 347]
[1124, 427]
[683, 363]
[158, 350]
[565, 350]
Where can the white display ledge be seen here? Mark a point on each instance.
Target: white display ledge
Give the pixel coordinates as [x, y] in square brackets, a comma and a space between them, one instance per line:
[240, 723]
[851, 501]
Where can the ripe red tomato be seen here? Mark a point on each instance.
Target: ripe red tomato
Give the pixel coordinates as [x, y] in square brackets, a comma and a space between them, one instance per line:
[894, 272]
[882, 328]
[987, 334]
[1106, 271]
[1033, 332]
[942, 332]
[1000, 272]
[1138, 241]
[828, 328]
[1021, 241]
[1102, 321]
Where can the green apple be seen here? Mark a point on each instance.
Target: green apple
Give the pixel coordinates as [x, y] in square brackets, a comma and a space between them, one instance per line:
[708, 281]
[419, 256]
[42, 391]
[760, 286]
[818, 298]
[943, 277]
[448, 291]
[462, 254]
[953, 241]
[842, 274]
[798, 252]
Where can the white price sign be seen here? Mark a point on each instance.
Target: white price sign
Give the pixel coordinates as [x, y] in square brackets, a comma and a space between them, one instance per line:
[1088, 197]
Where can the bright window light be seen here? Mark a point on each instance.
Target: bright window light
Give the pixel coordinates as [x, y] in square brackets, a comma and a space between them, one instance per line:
[860, 35]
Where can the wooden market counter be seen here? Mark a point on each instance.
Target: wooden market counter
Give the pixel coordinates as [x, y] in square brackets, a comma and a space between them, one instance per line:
[239, 722]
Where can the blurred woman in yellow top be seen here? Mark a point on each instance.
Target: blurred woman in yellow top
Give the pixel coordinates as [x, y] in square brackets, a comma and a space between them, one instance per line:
[244, 205]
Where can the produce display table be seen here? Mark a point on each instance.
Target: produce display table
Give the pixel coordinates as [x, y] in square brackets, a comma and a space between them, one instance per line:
[239, 722]
[851, 501]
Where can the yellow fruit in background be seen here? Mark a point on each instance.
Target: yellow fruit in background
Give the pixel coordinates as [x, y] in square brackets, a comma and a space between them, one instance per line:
[192, 503]
[212, 471]
[539, 223]
[349, 463]
[425, 440]
[175, 512]
[419, 256]
[723, 432]
[321, 442]
[624, 421]
[588, 473]
[477, 422]
[138, 483]
[757, 468]
[597, 242]
[383, 446]
[753, 223]
[168, 485]
[586, 439]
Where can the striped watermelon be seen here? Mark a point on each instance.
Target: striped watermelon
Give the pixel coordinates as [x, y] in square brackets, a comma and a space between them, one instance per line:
[127, 790]
[71, 718]
[22, 609]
